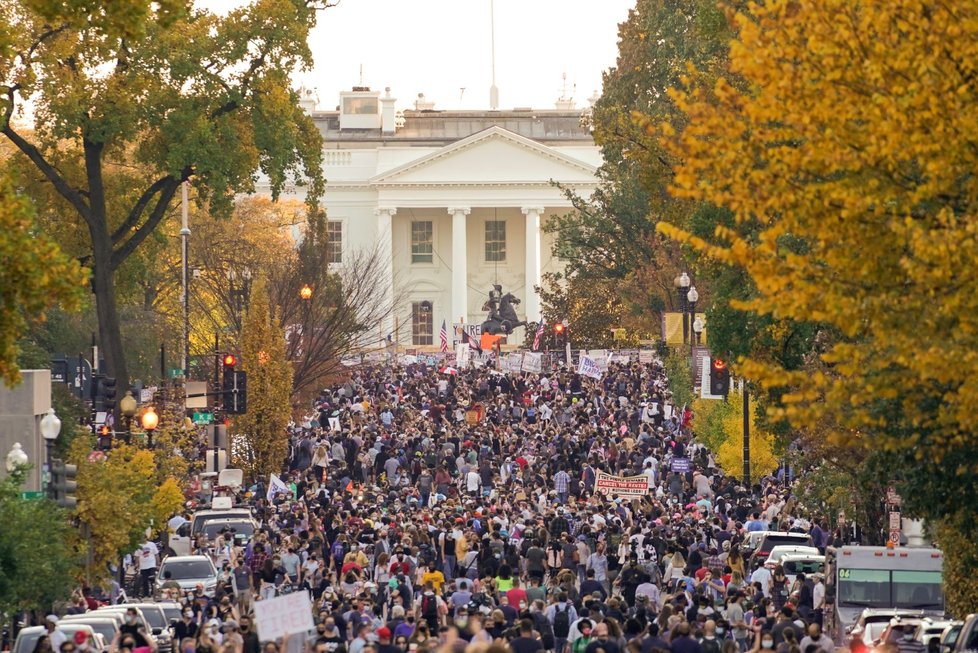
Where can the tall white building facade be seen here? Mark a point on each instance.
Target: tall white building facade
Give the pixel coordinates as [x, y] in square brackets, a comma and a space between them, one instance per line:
[455, 200]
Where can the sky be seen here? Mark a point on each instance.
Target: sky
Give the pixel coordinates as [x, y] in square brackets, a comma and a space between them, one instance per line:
[439, 47]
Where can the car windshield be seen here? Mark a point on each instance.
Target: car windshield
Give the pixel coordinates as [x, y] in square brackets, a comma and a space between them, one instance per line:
[874, 630]
[240, 528]
[188, 569]
[803, 567]
[198, 523]
[917, 590]
[154, 616]
[103, 628]
[772, 541]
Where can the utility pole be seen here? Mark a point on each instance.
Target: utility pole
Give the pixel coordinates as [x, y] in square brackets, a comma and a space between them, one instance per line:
[185, 238]
[743, 384]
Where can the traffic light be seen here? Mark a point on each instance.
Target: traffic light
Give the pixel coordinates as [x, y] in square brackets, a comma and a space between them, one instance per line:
[104, 438]
[63, 484]
[234, 387]
[106, 394]
[719, 377]
[559, 332]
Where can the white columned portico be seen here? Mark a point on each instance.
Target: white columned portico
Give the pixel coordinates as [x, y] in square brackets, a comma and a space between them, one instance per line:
[532, 304]
[460, 268]
[385, 246]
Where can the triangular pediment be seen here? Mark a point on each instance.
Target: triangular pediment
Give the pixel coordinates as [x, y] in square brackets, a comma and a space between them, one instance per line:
[492, 156]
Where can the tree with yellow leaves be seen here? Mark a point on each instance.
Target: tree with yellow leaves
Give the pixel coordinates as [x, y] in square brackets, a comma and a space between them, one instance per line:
[259, 440]
[730, 453]
[846, 154]
[119, 497]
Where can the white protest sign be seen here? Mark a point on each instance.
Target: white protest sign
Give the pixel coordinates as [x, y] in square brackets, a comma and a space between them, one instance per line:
[645, 356]
[462, 354]
[512, 363]
[589, 368]
[533, 362]
[283, 615]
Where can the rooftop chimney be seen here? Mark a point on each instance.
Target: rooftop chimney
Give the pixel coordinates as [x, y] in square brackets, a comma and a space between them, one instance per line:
[388, 117]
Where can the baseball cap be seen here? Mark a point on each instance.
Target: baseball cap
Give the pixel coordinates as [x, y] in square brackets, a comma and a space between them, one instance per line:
[52, 618]
[384, 632]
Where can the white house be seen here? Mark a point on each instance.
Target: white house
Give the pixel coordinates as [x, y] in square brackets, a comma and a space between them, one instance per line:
[454, 199]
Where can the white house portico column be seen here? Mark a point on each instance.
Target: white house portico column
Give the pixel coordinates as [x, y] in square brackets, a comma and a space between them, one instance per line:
[385, 240]
[460, 267]
[532, 305]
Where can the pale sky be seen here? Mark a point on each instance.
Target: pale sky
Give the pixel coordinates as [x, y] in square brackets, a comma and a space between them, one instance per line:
[438, 47]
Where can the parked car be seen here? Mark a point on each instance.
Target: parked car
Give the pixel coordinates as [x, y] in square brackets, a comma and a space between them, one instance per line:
[810, 565]
[931, 628]
[188, 571]
[950, 636]
[158, 622]
[105, 625]
[27, 637]
[772, 539]
[779, 552]
[870, 626]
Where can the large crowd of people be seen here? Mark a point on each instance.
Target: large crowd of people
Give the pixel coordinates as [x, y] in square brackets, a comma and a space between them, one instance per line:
[430, 510]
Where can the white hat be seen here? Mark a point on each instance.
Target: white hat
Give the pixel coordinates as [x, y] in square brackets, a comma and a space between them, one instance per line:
[52, 618]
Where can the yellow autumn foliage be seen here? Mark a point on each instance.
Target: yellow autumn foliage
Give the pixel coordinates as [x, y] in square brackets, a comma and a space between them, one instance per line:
[730, 454]
[119, 497]
[846, 149]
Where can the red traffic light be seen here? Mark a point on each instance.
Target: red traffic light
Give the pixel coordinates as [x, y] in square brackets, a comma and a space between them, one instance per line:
[719, 364]
[559, 327]
[229, 360]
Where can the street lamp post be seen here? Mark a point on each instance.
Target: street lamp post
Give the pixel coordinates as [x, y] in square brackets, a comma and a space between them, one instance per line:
[50, 428]
[682, 290]
[128, 407]
[15, 458]
[150, 421]
[239, 293]
[698, 326]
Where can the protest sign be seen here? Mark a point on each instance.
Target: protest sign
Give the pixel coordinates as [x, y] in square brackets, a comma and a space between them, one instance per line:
[681, 465]
[623, 486]
[283, 615]
[589, 368]
[533, 362]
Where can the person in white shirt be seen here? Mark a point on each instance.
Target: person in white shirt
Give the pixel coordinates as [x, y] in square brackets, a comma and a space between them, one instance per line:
[147, 559]
[473, 481]
[763, 576]
[56, 636]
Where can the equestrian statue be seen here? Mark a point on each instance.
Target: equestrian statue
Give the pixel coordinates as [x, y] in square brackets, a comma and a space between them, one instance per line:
[502, 318]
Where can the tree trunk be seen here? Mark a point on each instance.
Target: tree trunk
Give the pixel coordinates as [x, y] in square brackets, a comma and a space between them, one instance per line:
[110, 332]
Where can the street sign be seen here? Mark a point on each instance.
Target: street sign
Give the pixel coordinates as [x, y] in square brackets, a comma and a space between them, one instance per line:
[175, 372]
[32, 496]
[892, 498]
[203, 418]
[895, 528]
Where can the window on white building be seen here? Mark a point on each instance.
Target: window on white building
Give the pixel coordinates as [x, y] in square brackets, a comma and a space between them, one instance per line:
[495, 240]
[422, 250]
[360, 105]
[334, 241]
[422, 323]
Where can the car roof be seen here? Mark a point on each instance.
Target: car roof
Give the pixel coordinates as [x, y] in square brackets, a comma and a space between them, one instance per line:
[792, 557]
[186, 559]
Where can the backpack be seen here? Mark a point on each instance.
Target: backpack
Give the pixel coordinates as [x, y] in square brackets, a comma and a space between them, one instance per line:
[545, 629]
[429, 608]
[562, 622]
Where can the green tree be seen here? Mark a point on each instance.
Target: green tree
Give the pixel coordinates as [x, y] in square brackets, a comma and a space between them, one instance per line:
[34, 276]
[259, 439]
[36, 562]
[680, 377]
[612, 235]
[123, 120]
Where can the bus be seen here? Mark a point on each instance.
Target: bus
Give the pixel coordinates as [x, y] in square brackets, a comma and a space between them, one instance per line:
[881, 578]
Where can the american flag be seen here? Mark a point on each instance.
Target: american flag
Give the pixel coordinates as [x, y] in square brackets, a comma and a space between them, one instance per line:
[539, 334]
[443, 335]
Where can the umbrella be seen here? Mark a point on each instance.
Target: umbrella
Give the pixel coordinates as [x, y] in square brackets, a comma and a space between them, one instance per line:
[448, 370]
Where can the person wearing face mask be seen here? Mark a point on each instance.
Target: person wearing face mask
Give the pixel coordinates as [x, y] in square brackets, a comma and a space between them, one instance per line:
[186, 627]
[249, 638]
[908, 643]
[133, 630]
